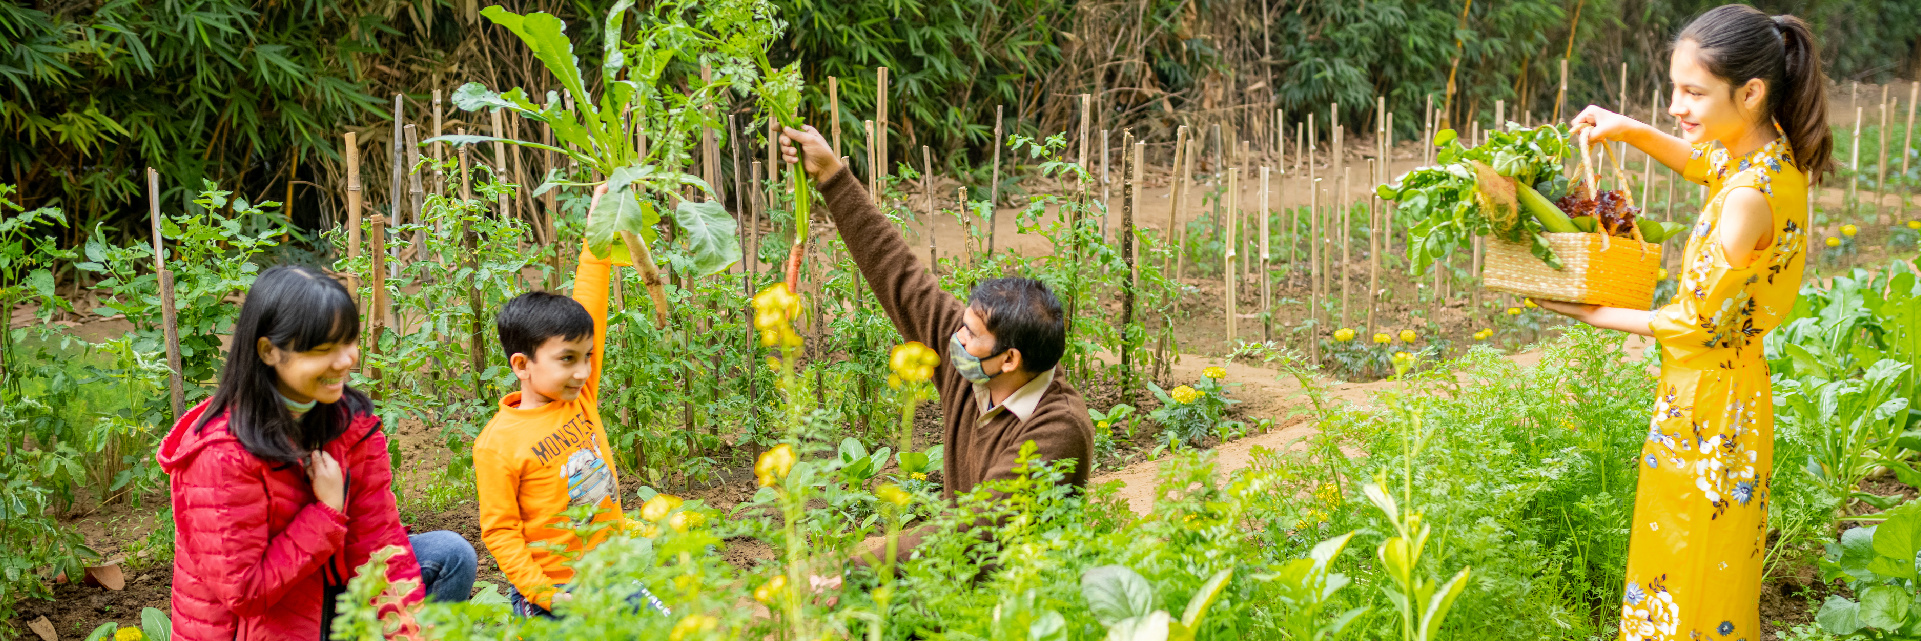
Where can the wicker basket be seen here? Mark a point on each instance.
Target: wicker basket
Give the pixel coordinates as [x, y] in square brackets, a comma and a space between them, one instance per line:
[1615, 272]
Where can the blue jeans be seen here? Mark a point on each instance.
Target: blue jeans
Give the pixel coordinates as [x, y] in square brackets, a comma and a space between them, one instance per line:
[524, 608]
[447, 565]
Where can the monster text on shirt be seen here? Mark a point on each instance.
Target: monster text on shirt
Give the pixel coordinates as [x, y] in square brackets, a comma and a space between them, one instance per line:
[565, 440]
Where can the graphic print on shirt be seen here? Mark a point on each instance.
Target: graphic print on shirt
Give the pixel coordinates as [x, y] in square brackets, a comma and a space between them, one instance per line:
[588, 481]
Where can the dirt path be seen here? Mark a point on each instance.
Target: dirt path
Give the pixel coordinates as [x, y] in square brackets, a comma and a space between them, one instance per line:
[1268, 393]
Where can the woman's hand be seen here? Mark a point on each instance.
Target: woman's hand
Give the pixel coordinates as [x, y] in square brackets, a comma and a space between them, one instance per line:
[323, 472]
[1596, 125]
[1632, 321]
[821, 161]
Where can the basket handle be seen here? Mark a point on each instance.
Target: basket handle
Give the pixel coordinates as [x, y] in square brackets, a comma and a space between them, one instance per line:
[1592, 182]
[1627, 193]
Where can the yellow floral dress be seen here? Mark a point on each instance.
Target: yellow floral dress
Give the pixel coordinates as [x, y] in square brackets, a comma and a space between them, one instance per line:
[1700, 512]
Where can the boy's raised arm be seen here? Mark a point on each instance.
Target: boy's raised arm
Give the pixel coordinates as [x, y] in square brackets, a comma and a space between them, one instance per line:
[590, 290]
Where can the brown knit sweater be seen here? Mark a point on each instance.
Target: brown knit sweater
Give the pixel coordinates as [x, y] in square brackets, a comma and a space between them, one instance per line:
[923, 312]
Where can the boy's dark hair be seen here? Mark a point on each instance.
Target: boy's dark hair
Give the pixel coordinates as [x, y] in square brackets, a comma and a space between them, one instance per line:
[296, 308]
[1022, 314]
[530, 319]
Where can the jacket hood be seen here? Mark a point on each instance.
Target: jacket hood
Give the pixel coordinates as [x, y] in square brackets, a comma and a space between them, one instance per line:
[184, 441]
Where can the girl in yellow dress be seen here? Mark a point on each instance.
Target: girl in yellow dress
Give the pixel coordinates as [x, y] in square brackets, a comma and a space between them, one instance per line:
[1749, 94]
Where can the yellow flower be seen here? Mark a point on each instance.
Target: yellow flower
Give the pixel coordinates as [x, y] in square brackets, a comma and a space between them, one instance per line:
[1382, 339]
[1216, 373]
[1914, 224]
[1660, 274]
[775, 310]
[1529, 303]
[920, 476]
[1849, 230]
[771, 590]
[892, 493]
[1408, 336]
[1483, 334]
[656, 508]
[1834, 242]
[1513, 311]
[1329, 493]
[774, 464]
[128, 634]
[683, 521]
[1185, 394]
[1344, 334]
[692, 625]
[912, 362]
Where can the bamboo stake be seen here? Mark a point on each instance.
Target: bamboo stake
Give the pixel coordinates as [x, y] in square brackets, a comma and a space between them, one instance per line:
[1232, 309]
[440, 173]
[377, 250]
[1129, 183]
[1373, 257]
[1346, 243]
[1180, 205]
[994, 191]
[394, 192]
[1622, 144]
[1881, 162]
[416, 192]
[1267, 286]
[1427, 133]
[833, 107]
[1314, 265]
[1907, 137]
[880, 127]
[1280, 140]
[1176, 194]
[1854, 163]
[1106, 207]
[1140, 155]
[873, 162]
[169, 323]
[500, 156]
[927, 186]
[1560, 95]
[353, 209]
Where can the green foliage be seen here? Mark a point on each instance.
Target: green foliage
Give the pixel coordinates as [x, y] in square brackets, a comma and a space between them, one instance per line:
[1190, 416]
[1443, 208]
[1878, 564]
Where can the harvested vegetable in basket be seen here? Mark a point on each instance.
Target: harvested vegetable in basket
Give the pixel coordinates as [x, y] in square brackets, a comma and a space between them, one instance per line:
[1501, 188]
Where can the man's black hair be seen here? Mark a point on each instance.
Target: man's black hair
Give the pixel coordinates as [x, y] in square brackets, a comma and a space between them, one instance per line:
[1023, 314]
[530, 319]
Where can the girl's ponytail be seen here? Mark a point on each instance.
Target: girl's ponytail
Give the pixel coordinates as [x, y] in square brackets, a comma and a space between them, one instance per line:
[1740, 43]
[1801, 102]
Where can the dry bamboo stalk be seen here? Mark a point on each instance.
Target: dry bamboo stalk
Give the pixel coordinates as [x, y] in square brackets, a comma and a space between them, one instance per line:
[1907, 137]
[353, 210]
[169, 323]
[1881, 162]
[1267, 286]
[1622, 145]
[1280, 140]
[377, 250]
[1130, 184]
[873, 162]
[1180, 226]
[994, 191]
[1230, 308]
[880, 127]
[500, 156]
[1373, 257]
[833, 110]
[416, 192]
[1174, 208]
[440, 174]
[1854, 161]
[1427, 133]
[1140, 156]
[1560, 95]
[1315, 285]
[927, 186]
[398, 158]
[1346, 243]
[1106, 207]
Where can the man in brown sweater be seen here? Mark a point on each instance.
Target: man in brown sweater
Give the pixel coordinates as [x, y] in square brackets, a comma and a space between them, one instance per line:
[1002, 386]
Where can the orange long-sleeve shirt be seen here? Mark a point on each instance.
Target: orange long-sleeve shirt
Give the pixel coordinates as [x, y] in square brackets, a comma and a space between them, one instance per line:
[530, 466]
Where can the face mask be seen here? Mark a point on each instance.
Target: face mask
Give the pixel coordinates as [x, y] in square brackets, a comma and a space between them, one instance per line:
[296, 408]
[967, 364]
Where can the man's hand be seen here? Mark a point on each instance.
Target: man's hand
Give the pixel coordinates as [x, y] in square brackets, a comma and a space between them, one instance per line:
[821, 161]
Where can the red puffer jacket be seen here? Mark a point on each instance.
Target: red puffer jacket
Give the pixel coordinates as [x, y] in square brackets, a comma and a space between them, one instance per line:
[254, 550]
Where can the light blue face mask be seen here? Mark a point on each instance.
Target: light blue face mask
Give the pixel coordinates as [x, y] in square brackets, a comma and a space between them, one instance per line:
[296, 408]
[967, 364]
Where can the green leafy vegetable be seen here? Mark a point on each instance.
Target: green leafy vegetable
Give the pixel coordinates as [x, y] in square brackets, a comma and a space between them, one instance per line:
[1469, 192]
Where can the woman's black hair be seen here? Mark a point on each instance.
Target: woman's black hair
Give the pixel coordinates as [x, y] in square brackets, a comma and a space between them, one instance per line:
[295, 308]
[1738, 43]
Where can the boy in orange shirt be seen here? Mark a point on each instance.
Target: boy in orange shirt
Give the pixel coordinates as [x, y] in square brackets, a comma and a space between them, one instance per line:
[546, 450]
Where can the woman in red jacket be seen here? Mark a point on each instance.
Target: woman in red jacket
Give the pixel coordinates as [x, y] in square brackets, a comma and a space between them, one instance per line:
[281, 482]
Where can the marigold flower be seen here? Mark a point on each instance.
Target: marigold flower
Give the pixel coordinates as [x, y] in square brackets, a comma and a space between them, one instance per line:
[1849, 230]
[1185, 395]
[1914, 224]
[1408, 336]
[1216, 373]
[920, 476]
[1483, 334]
[1528, 303]
[128, 634]
[1344, 334]
[1833, 242]
[771, 590]
[692, 625]
[1403, 359]
[1660, 274]
[683, 521]
[775, 310]
[1513, 311]
[1382, 339]
[774, 464]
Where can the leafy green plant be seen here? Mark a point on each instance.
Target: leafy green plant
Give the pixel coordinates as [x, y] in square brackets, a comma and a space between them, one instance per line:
[1878, 564]
[1443, 207]
[1121, 600]
[1850, 426]
[1189, 415]
[1307, 586]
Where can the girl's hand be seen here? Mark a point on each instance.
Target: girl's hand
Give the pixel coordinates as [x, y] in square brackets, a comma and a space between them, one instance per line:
[821, 161]
[1575, 311]
[1599, 124]
[323, 472]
